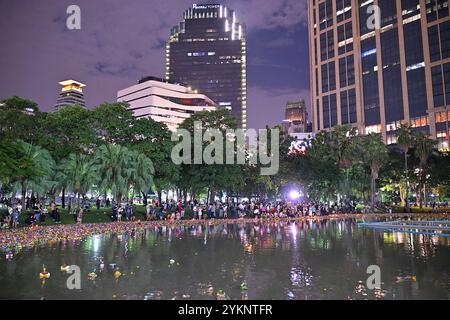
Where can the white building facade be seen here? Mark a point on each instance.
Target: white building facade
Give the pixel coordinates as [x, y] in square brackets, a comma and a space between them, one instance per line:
[164, 101]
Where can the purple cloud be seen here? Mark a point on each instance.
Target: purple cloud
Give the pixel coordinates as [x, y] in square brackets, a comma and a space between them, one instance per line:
[121, 41]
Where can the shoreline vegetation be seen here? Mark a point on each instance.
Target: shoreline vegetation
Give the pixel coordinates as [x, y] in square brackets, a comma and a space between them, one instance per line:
[12, 241]
[92, 215]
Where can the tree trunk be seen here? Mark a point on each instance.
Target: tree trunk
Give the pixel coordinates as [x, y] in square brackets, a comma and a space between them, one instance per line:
[425, 194]
[159, 197]
[212, 195]
[63, 200]
[420, 193]
[372, 191]
[24, 194]
[406, 182]
[78, 201]
[184, 196]
[144, 198]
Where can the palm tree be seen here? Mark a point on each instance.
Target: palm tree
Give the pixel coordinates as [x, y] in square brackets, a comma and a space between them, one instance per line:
[81, 173]
[405, 141]
[375, 156]
[140, 175]
[10, 153]
[35, 164]
[424, 147]
[113, 163]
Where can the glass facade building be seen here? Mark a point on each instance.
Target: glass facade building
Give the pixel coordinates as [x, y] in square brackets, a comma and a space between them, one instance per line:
[384, 71]
[207, 51]
[295, 117]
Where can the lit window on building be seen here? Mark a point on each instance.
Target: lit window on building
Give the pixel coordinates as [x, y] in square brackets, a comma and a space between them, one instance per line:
[373, 129]
[419, 122]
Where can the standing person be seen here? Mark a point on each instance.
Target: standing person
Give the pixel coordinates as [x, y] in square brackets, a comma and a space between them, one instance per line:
[36, 213]
[313, 210]
[15, 217]
[52, 209]
[148, 209]
[119, 213]
[127, 211]
[211, 212]
[194, 211]
[241, 210]
[114, 213]
[69, 207]
[153, 210]
[225, 210]
[200, 209]
[256, 211]
[44, 212]
[80, 216]
[133, 212]
[8, 219]
[220, 211]
[75, 215]
[19, 207]
[57, 216]
[161, 213]
[98, 204]
[180, 208]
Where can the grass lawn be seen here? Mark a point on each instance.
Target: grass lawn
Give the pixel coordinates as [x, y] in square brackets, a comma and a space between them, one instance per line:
[93, 216]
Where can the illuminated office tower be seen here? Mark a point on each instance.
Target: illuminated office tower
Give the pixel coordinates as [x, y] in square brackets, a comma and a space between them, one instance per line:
[296, 117]
[207, 51]
[71, 93]
[375, 77]
[164, 101]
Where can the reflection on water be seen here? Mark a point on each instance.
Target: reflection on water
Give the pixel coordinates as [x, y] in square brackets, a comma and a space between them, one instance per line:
[286, 260]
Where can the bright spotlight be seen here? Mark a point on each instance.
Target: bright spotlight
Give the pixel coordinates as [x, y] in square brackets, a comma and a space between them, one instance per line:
[294, 194]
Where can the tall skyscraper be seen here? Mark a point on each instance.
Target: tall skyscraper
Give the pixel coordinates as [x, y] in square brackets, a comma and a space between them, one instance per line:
[207, 51]
[164, 101]
[71, 93]
[377, 76]
[296, 117]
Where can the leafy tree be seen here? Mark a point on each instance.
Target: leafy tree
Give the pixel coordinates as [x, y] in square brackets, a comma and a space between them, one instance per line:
[68, 131]
[112, 162]
[423, 149]
[10, 157]
[35, 164]
[140, 173]
[374, 154]
[153, 139]
[111, 123]
[214, 177]
[80, 173]
[20, 119]
[405, 141]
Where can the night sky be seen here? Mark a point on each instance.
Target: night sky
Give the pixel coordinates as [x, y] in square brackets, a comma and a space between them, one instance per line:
[121, 41]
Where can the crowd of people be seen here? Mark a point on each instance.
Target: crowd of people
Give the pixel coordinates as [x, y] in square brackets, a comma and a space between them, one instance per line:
[127, 211]
[176, 210]
[38, 214]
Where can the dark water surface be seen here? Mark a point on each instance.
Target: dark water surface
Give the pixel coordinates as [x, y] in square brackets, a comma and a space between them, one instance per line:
[302, 260]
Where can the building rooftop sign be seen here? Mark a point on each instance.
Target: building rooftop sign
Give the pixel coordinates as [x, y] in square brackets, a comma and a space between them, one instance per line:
[205, 6]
